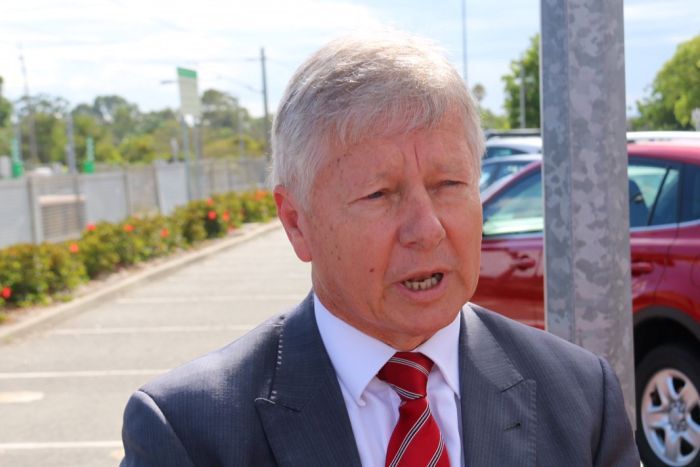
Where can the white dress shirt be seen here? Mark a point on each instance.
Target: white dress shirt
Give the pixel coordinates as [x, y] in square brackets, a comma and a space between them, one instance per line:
[373, 406]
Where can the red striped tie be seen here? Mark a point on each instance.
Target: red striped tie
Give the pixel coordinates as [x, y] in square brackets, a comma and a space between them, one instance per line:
[416, 440]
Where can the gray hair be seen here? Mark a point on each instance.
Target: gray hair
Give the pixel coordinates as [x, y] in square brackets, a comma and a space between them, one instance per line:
[360, 87]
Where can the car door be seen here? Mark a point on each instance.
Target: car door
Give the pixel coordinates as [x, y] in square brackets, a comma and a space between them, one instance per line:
[654, 210]
[511, 276]
[680, 287]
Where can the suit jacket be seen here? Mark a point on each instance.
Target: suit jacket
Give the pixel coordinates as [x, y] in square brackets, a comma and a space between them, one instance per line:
[272, 398]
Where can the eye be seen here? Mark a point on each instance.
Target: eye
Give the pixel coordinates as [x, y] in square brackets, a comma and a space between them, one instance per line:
[375, 195]
[450, 183]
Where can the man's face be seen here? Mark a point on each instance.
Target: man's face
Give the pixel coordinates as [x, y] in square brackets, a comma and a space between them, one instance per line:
[393, 231]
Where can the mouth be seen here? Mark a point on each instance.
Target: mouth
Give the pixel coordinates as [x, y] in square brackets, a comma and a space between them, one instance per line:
[424, 283]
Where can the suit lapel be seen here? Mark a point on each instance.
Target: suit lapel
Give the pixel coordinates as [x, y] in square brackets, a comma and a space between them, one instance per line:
[498, 405]
[304, 417]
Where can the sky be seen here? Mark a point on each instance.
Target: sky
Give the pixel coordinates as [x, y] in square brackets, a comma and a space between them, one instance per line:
[80, 49]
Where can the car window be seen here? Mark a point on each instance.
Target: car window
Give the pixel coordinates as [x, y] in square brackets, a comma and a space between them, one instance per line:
[666, 206]
[517, 210]
[644, 185]
[691, 194]
[510, 168]
[493, 151]
[487, 174]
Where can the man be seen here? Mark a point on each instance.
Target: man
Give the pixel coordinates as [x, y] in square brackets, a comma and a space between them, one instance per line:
[376, 167]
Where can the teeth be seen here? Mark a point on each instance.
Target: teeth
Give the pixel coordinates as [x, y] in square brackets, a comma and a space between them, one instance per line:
[424, 284]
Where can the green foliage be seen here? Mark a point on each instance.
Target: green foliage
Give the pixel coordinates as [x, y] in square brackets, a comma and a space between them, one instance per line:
[123, 134]
[490, 120]
[67, 270]
[675, 92]
[49, 113]
[98, 250]
[34, 273]
[135, 149]
[5, 108]
[530, 63]
[258, 206]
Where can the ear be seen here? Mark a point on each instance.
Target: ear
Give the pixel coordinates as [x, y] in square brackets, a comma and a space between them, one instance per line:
[294, 222]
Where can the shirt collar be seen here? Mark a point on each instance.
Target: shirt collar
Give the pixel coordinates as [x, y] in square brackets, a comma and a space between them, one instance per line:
[357, 357]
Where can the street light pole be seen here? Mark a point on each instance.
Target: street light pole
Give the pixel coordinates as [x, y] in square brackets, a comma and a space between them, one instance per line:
[264, 93]
[464, 40]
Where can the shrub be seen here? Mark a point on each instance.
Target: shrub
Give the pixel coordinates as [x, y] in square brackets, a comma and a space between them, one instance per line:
[258, 206]
[32, 274]
[98, 250]
[67, 270]
[25, 269]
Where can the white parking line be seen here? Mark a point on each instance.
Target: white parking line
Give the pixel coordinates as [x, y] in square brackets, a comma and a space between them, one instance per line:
[209, 298]
[148, 330]
[60, 445]
[78, 374]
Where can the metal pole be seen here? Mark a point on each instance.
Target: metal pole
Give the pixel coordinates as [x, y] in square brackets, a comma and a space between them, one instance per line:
[186, 154]
[33, 147]
[70, 145]
[464, 40]
[587, 249]
[522, 94]
[17, 166]
[241, 143]
[264, 93]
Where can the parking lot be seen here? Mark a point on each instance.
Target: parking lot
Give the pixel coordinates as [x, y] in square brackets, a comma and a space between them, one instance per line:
[62, 391]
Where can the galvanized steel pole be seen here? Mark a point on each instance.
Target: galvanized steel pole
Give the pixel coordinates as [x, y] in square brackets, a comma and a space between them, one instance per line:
[585, 181]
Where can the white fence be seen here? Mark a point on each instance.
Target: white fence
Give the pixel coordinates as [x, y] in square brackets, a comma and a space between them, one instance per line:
[55, 208]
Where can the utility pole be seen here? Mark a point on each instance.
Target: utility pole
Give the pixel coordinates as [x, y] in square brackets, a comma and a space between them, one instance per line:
[264, 93]
[70, 145]
[33, 148]
[464, 41]
[522, 93]
[186, 154]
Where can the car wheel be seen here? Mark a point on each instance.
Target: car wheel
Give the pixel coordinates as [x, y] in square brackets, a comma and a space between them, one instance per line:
[668, 407]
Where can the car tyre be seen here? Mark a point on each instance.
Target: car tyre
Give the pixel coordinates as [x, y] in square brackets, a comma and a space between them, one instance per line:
[668, 407]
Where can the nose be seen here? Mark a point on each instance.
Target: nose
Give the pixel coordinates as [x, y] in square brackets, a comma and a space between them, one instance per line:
[421, 227]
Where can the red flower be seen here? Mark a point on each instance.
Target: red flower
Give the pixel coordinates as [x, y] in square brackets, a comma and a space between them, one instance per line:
[128, 228]
[260, 195]
[90, 227]
[74, 248]
[6, 293]
[211, 215]
[226, 216]
[164, 233]
[210, 202]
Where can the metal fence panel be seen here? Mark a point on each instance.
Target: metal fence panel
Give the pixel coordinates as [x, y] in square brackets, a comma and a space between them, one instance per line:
[61, 206]
[57, 207]
[172, 188]
[142, 190]
[15, 223]
[105, 197]
[218, 178]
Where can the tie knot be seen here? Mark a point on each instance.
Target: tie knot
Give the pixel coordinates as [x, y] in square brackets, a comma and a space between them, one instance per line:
[407, 373]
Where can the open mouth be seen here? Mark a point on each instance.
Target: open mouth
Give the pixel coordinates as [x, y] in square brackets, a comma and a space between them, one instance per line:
[424, 283]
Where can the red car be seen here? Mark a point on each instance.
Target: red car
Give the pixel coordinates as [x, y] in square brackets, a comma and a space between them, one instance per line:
[664, 186]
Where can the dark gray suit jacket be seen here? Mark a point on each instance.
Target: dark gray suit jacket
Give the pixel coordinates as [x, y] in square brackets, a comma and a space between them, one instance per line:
[272, 398]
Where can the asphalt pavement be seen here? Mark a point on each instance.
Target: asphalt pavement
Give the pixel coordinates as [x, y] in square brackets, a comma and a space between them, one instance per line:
[63, 389]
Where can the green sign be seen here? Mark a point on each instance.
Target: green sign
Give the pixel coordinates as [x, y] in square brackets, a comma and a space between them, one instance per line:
[189, 94]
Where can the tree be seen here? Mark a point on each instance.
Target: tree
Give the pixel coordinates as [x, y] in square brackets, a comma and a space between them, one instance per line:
[219, 109]
[530, 63]
[49, 124]
[675, 92]
[135, 149]
[5, 109]
[5, 124]
[489, 120]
